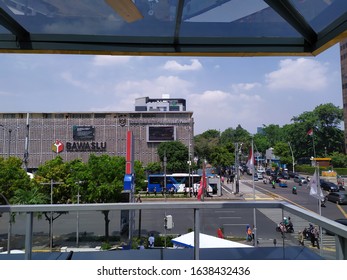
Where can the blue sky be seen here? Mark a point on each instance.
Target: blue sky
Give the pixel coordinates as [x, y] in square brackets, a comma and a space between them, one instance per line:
[221, 92]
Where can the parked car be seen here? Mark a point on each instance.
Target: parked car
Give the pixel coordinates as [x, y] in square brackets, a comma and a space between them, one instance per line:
[340, 221]
[328, 186]
[337, 197]
[300, 179]
[260, 175]
[292, 174]
[285, 175]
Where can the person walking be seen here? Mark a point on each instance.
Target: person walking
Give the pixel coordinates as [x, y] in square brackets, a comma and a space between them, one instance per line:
[151, 240]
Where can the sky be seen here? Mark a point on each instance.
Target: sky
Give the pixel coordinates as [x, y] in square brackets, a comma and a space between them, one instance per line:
[222, 92]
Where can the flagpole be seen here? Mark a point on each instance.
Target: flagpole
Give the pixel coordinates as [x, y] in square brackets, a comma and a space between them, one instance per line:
[320, 206]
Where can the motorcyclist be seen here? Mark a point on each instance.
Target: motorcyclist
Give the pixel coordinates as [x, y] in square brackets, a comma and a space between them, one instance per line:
[294, 190]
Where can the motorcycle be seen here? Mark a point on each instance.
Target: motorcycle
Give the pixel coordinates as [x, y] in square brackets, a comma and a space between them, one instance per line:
[281, 227]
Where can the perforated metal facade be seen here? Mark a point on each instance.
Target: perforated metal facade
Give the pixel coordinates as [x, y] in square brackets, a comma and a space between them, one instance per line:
[109, 137]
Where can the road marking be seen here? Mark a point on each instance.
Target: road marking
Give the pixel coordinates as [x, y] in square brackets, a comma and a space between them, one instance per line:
[342, 211]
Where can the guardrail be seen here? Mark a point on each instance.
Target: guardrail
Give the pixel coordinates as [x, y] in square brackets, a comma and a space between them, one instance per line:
[30, 210]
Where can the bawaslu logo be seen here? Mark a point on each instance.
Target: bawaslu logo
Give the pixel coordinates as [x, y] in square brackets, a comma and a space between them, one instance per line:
[57, 146]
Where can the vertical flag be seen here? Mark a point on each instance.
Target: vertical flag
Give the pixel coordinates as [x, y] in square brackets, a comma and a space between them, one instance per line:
[250, 161]
[315, 189]
[310, 132]
[202, 186]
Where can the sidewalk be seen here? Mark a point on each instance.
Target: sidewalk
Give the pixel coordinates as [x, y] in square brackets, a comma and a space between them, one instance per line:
[228, 193]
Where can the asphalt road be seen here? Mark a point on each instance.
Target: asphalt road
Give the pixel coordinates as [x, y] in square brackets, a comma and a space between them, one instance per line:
[233, 221]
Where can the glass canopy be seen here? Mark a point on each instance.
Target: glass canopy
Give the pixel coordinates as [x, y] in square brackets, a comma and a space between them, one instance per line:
[172, 27]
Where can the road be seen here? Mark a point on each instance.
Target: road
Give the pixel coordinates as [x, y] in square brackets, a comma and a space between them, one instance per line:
[233, 221]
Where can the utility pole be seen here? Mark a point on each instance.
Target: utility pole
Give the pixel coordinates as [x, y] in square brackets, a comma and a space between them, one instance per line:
[291, 150]
[51, 216]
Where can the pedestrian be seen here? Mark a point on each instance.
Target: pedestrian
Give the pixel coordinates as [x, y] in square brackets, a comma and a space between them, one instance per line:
[220, 232]
[315, 237]
[275, 242]
[301, 238]
[249, 233]
[138, 199]
[151, 240]
[141, 247]
[155, 191]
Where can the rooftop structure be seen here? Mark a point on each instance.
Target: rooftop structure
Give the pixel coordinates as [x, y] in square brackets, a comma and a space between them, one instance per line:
[175, 27]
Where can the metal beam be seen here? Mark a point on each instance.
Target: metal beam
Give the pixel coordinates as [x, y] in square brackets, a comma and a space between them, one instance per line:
[22, 35]
[286, 10]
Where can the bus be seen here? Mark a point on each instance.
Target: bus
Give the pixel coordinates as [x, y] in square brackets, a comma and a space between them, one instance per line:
[176, 182]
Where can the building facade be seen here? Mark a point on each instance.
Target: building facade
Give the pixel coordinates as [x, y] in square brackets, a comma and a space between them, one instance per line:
[38, 137]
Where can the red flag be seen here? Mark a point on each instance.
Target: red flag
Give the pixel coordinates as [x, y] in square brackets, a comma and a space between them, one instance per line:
[250, 161]
[310, 132]
[202, 183]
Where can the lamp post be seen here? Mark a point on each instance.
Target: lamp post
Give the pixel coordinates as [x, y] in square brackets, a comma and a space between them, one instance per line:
[9, 232]
[77, 215]
[291, 150]
[189, 163]
[237, 166]
[3, 145]
[51, 216]
[165, 161]
[9, 142]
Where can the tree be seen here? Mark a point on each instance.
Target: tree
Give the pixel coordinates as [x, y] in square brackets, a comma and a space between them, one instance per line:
[106, 181]
[176, 155]
[282, 150]
[327, 137]
[12, 177]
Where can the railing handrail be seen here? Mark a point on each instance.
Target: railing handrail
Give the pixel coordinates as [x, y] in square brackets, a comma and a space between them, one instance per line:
[315, 218]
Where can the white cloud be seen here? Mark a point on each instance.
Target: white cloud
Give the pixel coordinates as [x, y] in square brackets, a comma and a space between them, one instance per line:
[220, 110]
[241, 87]
[298, 74]
[171, 85]
[175, 66]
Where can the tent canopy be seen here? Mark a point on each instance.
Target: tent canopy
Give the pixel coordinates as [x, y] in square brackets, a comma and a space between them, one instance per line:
[206, 241]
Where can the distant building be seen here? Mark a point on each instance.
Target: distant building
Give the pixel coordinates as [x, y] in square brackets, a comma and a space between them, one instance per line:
[165, 104]
[78, 134]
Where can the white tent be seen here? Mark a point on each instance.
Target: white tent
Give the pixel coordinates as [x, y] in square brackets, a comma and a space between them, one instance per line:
[206, 241]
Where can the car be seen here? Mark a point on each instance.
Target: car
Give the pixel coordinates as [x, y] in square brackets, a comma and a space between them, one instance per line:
[329, 186]
[340, 221]
[260, 175]
[337, 197]
[292, 174]
[300, 179]
[285, 175]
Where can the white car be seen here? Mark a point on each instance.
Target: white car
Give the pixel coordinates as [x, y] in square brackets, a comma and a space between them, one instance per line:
[260, 175]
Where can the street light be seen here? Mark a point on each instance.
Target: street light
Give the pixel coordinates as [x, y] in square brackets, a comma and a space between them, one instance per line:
[77, 213]
[9, 232]
[9, 142]
[3, 143]
[51, 217]
[291, 150]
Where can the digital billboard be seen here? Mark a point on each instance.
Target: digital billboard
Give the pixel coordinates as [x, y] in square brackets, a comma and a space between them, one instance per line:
[161, 133]
[83, 132]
